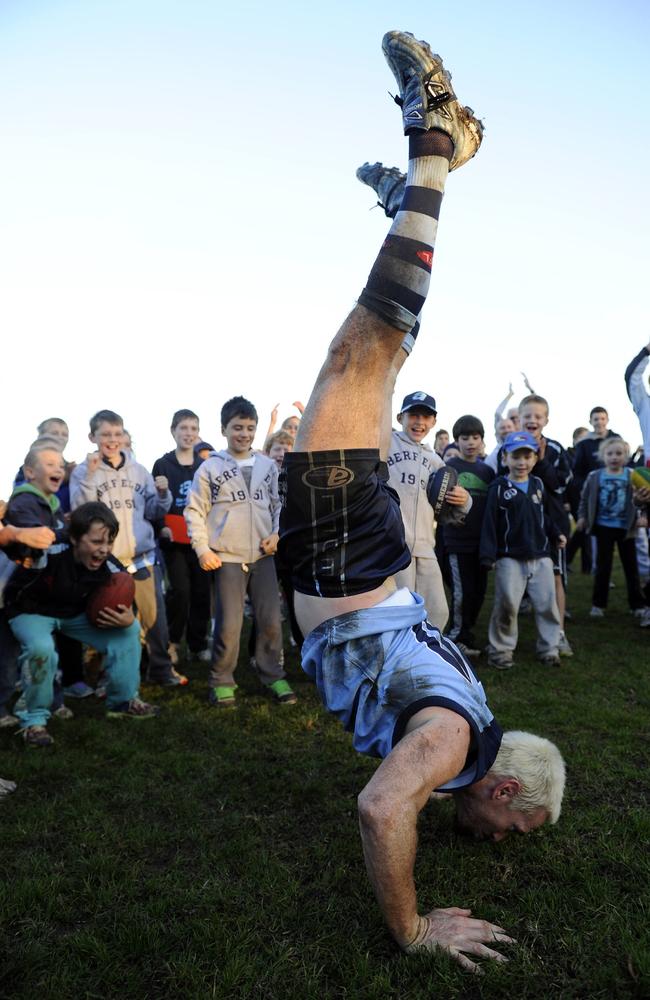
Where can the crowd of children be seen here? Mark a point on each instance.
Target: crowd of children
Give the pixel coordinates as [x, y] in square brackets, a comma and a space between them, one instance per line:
[198, 537]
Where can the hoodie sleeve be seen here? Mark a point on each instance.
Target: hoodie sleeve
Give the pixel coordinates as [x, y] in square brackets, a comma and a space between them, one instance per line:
[274, 501]
[636, 390]
[82, 486]
[488, 545]
[197, 508]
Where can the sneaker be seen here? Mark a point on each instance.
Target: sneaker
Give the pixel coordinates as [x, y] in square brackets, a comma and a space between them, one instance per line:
[467, 650]
[100, 692]
[552, 660]
[63, 712]
[499, 662]
[205, 656]
[78, 690]
[134, 709]
[388, 183]
[222, 697]
[426, 96]
[8, 721]
[597, 612]
[283, 692]
[638, 612]
[644, 622]
[36, 736]
[564, 646]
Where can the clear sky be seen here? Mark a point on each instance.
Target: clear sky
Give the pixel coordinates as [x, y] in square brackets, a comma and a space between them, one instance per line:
[181, 221]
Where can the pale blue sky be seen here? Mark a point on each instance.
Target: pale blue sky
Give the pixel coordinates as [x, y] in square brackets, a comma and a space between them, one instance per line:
[181, 221]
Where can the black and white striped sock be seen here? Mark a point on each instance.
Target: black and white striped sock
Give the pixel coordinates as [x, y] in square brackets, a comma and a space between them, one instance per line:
[399, 281]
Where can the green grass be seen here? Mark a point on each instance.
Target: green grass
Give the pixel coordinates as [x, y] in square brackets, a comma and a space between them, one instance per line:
[215, 853]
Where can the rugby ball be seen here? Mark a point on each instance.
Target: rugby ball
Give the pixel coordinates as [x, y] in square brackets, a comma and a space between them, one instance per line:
[640, 478]
[118, 589]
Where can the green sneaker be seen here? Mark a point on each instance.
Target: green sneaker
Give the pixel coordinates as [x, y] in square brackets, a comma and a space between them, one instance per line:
[283, 692]
[222, 697]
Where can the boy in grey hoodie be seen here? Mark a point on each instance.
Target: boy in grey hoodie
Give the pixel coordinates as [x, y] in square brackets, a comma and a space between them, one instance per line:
[112, 476]
[232, 516]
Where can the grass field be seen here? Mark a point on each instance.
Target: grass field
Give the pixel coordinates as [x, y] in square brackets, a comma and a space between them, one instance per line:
[215, 853]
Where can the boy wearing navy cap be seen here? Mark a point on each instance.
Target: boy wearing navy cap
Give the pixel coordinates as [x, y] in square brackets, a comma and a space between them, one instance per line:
[411, 462]
[521, 520]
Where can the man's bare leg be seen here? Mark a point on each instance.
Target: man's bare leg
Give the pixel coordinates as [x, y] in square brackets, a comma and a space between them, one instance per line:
[351, 403]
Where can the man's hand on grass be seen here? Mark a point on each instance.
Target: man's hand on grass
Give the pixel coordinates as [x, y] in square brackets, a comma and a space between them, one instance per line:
[455, 931]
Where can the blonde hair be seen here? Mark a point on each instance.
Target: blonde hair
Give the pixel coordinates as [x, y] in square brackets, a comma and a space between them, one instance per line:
[280, 437]
[43, 443]
[538, 766]
[615, 439]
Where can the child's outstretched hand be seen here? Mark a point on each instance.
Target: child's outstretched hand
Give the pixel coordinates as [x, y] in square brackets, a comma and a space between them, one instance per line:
[561, 541]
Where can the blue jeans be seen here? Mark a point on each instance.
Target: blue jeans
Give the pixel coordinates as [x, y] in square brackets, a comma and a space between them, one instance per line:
[39, 660]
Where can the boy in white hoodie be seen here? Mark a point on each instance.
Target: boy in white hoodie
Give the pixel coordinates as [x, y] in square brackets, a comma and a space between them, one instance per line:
[232, 515]
[112, 476]
[410, 464]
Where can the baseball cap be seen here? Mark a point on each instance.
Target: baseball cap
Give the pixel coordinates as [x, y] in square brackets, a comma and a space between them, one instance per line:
[414, 400]
[520, 439]
[202, 446]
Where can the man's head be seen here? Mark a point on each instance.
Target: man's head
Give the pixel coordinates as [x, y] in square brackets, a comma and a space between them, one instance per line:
[417, 415]
[533, 415]
[93, 528]
[185, 428]
[278, 444]
[469, 432]
[54, 427]
[504, 427]
[107, 434]
[599, 418]
[44, 467]
[513, 414]
[521, 791]
[239, 425]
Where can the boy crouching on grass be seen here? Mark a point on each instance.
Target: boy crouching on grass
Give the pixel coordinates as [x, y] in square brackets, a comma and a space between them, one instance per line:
[232, 516]
[520, 522]
[54, 598]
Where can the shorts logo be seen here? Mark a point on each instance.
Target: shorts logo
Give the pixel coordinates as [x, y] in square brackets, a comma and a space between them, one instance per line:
[327, 477]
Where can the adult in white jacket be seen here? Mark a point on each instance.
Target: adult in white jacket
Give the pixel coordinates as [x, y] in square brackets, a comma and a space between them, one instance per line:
[410, 464]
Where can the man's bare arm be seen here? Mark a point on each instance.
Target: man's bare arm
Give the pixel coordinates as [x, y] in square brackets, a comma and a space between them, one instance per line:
[388, 810]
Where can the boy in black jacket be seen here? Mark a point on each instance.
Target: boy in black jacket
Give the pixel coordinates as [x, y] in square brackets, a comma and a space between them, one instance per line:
[521, 521]
[188, 597]
[468, 578]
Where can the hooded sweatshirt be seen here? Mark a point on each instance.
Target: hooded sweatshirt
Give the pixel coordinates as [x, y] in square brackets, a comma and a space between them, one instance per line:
[225, 515]
[410, 465]
[129, 492]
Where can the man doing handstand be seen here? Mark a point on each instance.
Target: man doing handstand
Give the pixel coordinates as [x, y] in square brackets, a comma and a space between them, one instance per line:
[404, 691]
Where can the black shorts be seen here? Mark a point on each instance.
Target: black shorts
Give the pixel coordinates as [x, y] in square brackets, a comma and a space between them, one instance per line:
[341, 529]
